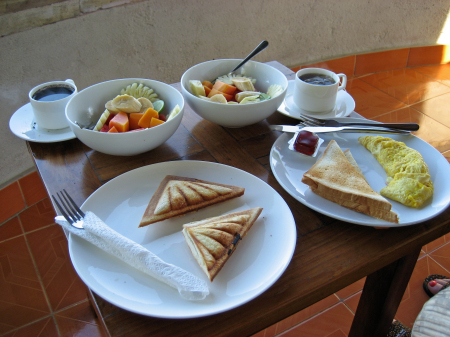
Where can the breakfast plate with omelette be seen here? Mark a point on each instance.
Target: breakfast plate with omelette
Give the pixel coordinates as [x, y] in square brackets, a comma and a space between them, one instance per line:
[298, 174]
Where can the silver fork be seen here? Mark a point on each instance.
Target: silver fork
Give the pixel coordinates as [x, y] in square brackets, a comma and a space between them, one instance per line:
[69, 209]
[312, 121]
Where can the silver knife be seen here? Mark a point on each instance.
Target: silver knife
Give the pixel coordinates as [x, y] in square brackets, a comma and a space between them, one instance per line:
[327, 129]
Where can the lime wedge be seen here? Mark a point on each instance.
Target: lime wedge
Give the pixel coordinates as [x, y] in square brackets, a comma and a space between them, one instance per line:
[174, 112]
[158, 105]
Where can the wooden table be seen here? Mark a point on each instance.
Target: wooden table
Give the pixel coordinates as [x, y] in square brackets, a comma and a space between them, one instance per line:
[329, 254]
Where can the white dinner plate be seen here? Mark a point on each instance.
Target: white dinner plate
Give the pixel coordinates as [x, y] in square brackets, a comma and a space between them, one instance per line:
[345, 104]
[22, 124]
[257, 263]
[289, 166]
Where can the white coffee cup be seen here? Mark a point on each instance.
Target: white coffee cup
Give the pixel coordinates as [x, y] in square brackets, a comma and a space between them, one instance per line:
[316, 98]
[49, 110]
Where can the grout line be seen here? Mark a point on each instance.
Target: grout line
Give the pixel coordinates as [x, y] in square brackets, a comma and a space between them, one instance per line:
[38, 275]
[440, 265]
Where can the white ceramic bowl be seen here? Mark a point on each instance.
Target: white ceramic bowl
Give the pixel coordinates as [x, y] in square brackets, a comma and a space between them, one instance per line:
[234, 115]
[92, 101]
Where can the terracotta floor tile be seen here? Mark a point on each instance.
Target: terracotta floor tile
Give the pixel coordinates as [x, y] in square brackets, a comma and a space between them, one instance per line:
[269, 332]
[307, 313]
[43, 328]
[434, 133]
[10, 229]
[406, 85]
[442, 256]
[435, 244]
[336, 320]
[32, 188]
[369, 101]
[70, 318]
[351, 289]
[353, 301]
[345, 65]
[419, 56]
[262, 333]
[11, 200]
[37, 216]
[22, 298]
[381, 61]
[61, 283]
[436, 108]
[415, 297]
[439, 72]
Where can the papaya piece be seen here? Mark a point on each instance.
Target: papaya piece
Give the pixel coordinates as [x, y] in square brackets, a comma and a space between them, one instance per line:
[207, 90]
[213, 92]
[207, 84]
[145, 120]
[120, 122]
[225, 88]
[155, 121]
[113, 130]
[134, 118]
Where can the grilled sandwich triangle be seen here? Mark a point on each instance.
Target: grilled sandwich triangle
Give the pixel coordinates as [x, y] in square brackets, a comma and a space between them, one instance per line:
[213, 240]
[177, 195]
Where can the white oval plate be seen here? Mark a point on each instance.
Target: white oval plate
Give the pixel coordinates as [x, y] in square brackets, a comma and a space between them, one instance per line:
[257, 263]
[22, 124]
[289, 166]
[345, 105]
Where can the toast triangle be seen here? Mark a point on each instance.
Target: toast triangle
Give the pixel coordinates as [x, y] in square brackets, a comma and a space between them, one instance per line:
[212, 241]
[178, 195]
[335, 178]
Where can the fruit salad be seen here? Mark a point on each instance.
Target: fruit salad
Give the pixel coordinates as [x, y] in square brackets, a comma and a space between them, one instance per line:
[136, 108]
[232, 89]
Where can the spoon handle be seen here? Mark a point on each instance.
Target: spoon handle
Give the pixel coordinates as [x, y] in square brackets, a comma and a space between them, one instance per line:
[263, 45]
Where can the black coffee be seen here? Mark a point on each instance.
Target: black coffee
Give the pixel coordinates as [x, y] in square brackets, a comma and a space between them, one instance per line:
[52, 93]
[317, 79]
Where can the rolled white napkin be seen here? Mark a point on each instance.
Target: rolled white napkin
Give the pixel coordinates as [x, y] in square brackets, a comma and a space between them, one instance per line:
[99, 234]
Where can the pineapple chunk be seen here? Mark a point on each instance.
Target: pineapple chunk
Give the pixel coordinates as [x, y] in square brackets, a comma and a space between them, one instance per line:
[197, 88]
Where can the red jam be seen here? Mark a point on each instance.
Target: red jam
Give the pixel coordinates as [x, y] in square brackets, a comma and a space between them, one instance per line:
[306, 142]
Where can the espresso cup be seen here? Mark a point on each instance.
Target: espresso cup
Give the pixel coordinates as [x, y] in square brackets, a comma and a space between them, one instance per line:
[48, 102]
[316, 89]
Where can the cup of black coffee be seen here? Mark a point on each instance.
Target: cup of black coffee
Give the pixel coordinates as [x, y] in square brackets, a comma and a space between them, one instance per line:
[316, 89]
[49, 100]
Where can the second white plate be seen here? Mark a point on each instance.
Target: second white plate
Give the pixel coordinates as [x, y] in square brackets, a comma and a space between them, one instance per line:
[289, 166]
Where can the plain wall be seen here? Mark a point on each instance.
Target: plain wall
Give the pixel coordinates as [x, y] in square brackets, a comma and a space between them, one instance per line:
[161, 39]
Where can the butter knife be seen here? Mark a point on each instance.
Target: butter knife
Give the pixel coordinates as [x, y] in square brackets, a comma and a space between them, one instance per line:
[327, 129]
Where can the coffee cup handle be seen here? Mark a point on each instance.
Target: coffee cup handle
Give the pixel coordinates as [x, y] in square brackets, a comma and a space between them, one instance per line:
[342, 82]
[70, 81]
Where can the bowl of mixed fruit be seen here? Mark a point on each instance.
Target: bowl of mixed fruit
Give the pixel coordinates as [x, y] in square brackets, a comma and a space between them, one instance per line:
[125, 117]
[245, 97]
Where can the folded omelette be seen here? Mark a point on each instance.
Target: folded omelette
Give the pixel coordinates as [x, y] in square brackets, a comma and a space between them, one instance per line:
[408, 180]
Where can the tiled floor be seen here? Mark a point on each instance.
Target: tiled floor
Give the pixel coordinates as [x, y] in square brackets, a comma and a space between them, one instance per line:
[40, 292]
[41, 295]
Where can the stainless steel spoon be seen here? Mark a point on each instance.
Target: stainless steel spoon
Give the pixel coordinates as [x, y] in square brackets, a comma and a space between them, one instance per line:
[263, 45]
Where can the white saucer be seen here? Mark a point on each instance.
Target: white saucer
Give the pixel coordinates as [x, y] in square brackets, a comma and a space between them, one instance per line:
[22, 124]
[345, 104]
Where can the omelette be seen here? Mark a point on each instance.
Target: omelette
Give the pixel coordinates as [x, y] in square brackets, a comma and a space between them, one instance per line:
[408, 178]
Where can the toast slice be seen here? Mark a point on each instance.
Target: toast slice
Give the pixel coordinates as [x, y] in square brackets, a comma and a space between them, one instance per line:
[213, 240]
[333, 177]
[177, 196]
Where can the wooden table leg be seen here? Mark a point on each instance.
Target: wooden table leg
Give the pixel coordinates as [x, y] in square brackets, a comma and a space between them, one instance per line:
[381, 296]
